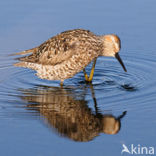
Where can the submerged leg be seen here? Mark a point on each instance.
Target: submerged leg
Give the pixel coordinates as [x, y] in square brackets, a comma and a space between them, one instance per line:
[61, 83]
[85, 75]
[90, 78]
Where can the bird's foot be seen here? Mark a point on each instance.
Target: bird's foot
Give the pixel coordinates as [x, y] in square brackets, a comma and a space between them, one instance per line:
[90, 78]
[61, 84]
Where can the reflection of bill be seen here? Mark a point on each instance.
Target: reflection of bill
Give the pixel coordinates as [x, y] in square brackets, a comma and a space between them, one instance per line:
[69, 114]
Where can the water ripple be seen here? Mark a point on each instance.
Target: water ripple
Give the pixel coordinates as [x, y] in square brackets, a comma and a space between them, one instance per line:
[110, 82]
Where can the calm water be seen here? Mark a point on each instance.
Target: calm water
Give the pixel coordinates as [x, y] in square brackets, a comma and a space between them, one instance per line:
[38, 118]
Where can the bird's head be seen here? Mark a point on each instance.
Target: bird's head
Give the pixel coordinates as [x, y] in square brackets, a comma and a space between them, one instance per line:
[111, 47]
[110, 125]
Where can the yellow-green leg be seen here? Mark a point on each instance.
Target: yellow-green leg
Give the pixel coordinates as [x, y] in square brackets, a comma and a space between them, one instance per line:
[90, 78]
[61, 84]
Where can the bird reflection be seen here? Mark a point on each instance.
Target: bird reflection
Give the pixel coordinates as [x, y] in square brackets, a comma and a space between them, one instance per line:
[68, 113]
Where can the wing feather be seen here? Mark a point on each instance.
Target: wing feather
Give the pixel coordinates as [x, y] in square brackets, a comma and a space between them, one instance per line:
[53, 51]
[62, 47]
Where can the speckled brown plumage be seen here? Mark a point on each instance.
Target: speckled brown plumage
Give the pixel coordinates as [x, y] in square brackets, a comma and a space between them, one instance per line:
[67, 53]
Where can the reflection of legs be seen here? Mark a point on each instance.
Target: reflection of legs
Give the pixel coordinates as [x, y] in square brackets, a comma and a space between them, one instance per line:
[91, 73]
[94, 99]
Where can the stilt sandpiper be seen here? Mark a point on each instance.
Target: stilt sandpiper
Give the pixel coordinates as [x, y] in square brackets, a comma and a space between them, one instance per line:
[69, 52]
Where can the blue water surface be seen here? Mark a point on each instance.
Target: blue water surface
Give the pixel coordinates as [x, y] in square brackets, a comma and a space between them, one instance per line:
[38, 118]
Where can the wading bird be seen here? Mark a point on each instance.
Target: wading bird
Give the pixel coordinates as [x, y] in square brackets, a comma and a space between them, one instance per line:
[69, 52]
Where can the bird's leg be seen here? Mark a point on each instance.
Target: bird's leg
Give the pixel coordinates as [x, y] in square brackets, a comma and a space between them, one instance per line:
[92, 71]
[61, 83]
[85, 74]
[89, 79]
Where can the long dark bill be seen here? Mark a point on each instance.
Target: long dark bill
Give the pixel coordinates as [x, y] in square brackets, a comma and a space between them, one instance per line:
[117, 56]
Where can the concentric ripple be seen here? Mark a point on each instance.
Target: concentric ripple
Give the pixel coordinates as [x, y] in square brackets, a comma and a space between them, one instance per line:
[111, 84]
[137, 86]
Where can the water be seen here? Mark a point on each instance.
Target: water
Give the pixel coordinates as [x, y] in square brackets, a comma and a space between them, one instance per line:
[39, 118]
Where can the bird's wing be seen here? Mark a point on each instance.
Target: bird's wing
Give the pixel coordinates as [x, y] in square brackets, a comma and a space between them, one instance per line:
[53, 51]
[81, 45]
[25, 52]
[57, 51]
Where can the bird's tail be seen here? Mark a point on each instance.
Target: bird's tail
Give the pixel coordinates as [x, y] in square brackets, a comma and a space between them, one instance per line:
[21, 64]
[30, 65]
[25, 52]
[24, 61]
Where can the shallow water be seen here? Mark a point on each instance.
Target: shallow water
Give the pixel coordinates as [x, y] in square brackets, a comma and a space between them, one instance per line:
[37, 117]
